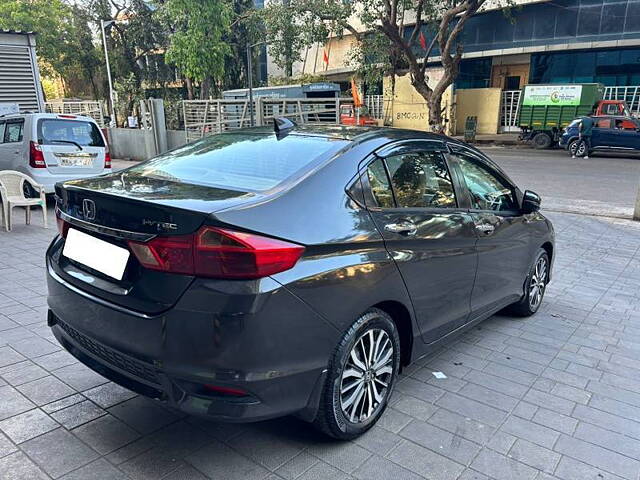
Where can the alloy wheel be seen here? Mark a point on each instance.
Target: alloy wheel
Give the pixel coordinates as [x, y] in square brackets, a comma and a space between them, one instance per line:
[366, 376]
[578, 148]
[537, 283]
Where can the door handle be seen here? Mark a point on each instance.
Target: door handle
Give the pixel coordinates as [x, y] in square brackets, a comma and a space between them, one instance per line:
[485, 228]
[408, 228]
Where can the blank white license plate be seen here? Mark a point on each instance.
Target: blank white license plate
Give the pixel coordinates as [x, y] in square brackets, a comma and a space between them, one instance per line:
[95, 253]
[76, 162]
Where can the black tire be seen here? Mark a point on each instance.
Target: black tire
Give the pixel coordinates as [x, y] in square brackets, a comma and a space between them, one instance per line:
[541, 140]
[331, 418]
[527, 306]
[576, 149]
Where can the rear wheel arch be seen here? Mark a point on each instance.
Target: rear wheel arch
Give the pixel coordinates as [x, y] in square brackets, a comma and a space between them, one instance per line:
[401, 317]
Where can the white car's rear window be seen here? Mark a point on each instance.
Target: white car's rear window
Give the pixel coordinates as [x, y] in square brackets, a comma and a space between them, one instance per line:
[57, 131]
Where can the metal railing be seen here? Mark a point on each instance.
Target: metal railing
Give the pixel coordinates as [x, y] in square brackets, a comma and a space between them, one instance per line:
[91, 108]
[630, 94]
[207, 117]
[301, 110]
[509, 108]
[375, 106]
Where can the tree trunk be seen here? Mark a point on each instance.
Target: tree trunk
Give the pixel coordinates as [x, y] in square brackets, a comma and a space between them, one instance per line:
[205, 87]
[432, 97]
[434, 104]
[189, 84]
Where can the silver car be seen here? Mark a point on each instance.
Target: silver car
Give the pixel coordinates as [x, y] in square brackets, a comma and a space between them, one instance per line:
[53, 147]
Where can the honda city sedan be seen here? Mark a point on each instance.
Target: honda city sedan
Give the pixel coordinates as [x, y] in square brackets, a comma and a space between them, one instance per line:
[255, 274]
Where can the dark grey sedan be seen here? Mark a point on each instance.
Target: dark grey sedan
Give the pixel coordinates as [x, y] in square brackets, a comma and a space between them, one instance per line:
[256, 274]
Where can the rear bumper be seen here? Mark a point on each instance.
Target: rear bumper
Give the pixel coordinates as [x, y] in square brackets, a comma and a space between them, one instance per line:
[48, 180]
[276, 353]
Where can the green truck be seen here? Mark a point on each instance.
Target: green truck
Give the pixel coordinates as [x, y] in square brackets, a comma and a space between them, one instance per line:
[545, 110]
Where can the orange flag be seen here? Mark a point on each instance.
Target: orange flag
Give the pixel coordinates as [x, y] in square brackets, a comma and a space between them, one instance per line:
[423, 41]
[325, 57]
[357, 101]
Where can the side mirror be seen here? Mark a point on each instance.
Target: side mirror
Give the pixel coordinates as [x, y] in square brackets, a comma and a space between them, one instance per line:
[530, 202]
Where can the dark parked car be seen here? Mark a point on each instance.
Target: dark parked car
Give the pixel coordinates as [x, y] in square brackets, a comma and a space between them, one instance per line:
[251, 275]
[610, 133]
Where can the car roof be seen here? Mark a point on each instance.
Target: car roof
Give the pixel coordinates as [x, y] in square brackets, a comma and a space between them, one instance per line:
[357, 134]
[615, 117]
[64, 116]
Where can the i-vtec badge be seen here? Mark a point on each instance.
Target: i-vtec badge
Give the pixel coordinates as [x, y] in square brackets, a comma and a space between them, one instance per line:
[159, 225]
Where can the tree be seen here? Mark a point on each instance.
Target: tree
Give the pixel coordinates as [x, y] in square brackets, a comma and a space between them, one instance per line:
[136, 32]
[245, 29]
[197, 45]
[63, 43]
[384, 43]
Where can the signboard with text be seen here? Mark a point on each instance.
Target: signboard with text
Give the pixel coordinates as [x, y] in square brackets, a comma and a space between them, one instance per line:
[552, 95]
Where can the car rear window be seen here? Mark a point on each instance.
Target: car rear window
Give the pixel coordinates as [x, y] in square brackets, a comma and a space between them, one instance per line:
[248, 162]
[57, 131]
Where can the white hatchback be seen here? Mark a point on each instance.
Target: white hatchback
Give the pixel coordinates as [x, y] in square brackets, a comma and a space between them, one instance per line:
[53, 147]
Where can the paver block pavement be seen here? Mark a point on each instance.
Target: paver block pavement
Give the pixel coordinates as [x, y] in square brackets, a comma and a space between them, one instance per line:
[552, 397]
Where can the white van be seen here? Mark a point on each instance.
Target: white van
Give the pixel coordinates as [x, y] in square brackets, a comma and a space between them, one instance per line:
[52, 147]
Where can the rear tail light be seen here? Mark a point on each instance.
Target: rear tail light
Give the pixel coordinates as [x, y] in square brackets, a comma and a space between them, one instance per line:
[218, 253]
[107, 159]
[36, 157]
[63, 227]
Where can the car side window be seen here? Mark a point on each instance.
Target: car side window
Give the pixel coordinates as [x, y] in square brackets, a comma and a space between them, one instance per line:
[13, 132]
[2, 124]
[379, 182]
[422, 180]
[603, 123]
[486, 189]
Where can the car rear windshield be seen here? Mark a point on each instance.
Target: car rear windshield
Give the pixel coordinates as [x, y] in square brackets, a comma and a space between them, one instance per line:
[247, 162]
[56, 131]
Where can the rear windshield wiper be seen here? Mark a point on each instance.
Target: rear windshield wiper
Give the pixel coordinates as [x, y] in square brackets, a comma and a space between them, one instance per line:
[68, 141]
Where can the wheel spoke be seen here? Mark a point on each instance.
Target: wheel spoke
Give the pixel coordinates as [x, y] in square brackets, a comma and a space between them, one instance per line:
[356, 361]
[384, 369]
[376, 351]
[369, 401]
[371, 347]
[384, 360]
[352, 399]
[345, 389]
[352, 372]
[384, 384]
[376, 394]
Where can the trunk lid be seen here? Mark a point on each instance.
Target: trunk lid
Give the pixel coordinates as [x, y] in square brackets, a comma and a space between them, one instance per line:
[126, 206]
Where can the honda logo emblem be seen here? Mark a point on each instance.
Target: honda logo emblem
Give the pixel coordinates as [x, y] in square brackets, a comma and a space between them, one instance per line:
[89, 209]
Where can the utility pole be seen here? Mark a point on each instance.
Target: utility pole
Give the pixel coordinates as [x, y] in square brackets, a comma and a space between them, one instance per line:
[636, 211]
[103, 25]
[250, 80]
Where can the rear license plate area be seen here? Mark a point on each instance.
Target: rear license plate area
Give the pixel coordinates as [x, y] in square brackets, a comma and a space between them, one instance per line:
[101, 256]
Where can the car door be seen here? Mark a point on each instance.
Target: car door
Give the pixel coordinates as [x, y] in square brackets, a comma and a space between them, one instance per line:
[603, 135]
[11, 148]
[503, 236]
[626, 134]
[413, 203]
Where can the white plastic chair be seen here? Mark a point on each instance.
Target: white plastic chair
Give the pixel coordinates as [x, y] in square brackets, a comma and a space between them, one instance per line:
[12, 195]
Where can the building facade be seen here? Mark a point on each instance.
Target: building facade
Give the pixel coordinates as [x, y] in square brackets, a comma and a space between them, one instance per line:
[554, 41]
